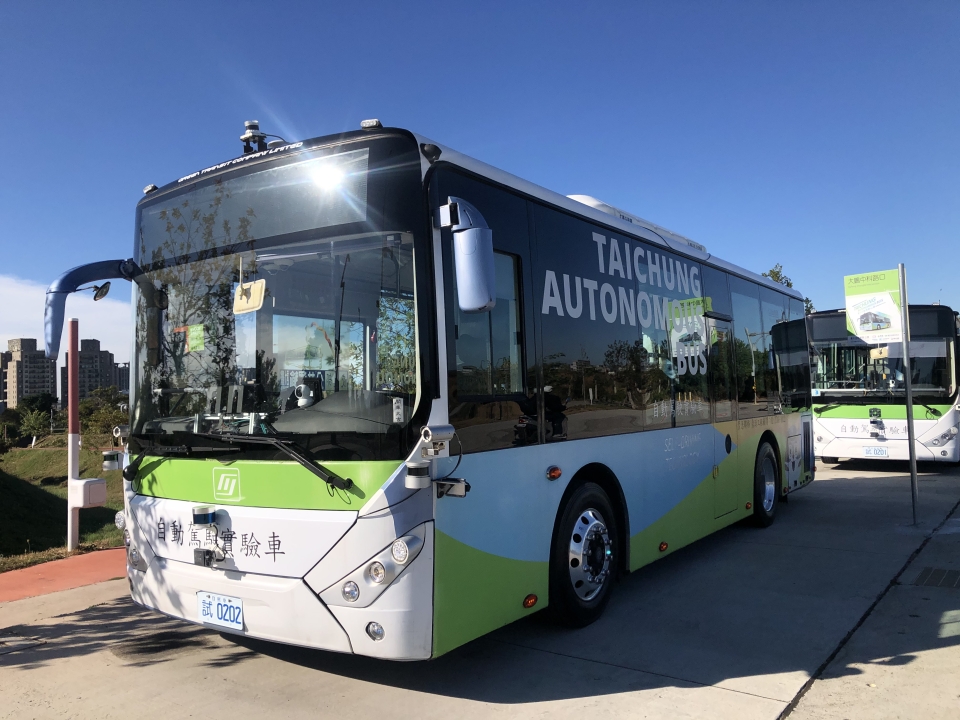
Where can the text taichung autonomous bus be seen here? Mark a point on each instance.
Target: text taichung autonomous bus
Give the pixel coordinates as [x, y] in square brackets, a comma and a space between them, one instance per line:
[387, 398]
[859, 399]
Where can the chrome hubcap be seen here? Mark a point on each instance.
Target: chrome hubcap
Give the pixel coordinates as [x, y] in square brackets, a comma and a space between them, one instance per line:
[769, 475]
[590, 554]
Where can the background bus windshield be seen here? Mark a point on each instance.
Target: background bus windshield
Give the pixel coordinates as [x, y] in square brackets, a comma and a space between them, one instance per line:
[851, 368]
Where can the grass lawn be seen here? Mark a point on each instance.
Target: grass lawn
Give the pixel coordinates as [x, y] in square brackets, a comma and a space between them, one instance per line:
[33, 504]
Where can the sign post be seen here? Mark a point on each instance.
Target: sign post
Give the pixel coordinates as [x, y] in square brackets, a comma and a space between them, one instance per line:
[80, 493]
[73, 429]
[908, 387]
[876, 305]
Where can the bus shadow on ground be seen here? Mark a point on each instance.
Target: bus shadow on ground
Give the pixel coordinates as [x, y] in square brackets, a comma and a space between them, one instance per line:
[756, 611]
[136, 636]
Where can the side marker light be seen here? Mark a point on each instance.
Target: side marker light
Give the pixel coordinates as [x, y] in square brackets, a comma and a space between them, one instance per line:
[529, 601]
[749, 506]
[663, 547]
[554, 473]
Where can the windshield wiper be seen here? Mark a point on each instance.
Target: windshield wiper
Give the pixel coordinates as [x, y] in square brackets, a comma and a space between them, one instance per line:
[289, 448]
[130, 471]
[828, 406]
[932, 410]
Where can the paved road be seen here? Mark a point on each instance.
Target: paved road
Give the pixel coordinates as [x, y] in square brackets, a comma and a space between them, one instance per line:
[733, 626]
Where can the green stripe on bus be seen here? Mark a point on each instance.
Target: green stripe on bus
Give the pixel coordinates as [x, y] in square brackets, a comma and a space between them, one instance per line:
[476, 592]
[887, 412]
[693, 517]
[270, 484]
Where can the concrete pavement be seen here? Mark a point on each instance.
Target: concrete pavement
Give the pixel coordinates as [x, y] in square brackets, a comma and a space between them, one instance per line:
[733, 626]
[904, 660]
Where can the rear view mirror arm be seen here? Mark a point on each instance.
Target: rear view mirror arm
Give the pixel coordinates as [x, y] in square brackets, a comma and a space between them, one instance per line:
[70, 282]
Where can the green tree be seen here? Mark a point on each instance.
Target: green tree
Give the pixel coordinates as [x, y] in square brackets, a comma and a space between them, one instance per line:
[778, 276]
[35, 423]
[42, 402]
[10, 424]
[103, 410]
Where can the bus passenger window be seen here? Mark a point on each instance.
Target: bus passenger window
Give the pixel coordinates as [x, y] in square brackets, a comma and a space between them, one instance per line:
[488, 344]
[749, 347]
[487, 400]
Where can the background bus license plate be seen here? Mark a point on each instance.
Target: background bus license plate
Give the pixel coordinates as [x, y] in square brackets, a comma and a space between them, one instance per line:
[875, 452]
[220, 610]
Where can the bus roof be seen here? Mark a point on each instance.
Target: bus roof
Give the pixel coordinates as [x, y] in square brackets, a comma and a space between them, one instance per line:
[631, 225]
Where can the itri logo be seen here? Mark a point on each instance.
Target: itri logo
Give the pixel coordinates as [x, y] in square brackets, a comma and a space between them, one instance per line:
[226, 484]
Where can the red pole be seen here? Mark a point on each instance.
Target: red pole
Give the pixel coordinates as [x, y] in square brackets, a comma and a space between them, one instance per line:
[73, 429]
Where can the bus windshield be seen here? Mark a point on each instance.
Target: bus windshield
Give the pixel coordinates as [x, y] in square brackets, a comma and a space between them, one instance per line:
[283, 302]
[850, 368]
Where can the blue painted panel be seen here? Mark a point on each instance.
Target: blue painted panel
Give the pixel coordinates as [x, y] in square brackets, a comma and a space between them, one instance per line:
[511, 507]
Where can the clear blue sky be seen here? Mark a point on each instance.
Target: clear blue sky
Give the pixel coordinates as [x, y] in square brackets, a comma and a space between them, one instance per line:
[822, 135]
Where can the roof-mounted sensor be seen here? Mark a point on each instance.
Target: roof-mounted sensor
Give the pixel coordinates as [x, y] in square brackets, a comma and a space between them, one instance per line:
[634, 220]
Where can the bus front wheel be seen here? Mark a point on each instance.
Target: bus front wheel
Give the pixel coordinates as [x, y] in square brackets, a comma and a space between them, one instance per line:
[585, 557]
[766, 486]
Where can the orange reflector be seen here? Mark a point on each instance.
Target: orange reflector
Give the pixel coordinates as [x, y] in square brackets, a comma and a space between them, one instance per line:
[529, 601]
[553, 473]
[749, 505]
[663, 546]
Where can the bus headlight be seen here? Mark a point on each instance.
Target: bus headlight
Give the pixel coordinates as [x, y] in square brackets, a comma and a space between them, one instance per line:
[400, 551]
[366, 583]
[350, 591]
[377, 572]
[120, 520]
[126, 538]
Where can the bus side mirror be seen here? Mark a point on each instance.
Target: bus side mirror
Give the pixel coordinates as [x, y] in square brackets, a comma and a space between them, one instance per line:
[472, 253]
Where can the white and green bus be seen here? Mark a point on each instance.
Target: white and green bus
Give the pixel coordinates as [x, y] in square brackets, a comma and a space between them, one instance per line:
[859, 402]
[387, 398]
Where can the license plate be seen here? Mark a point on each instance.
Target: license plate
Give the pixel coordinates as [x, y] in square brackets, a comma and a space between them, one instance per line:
[875, 452]
[220, 610]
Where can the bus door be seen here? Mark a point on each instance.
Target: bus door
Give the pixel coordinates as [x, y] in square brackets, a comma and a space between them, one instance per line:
[723, 402]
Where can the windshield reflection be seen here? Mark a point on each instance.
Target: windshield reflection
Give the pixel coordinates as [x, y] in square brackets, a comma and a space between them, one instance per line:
[330, 349]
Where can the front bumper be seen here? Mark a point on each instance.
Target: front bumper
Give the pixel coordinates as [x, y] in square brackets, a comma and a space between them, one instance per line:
[896, 450]
[288, 610]
[274, 608]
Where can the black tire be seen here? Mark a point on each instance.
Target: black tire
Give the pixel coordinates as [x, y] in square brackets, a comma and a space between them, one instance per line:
[830, 460]
[582, 572]
[766, 486]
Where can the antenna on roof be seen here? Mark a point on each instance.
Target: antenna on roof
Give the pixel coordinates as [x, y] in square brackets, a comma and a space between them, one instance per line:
[252, 134]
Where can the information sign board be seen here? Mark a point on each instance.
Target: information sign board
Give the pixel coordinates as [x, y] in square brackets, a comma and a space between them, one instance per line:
[873, 306]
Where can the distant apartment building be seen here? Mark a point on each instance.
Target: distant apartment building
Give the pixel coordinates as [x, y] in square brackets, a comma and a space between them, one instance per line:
[4, 361]
[123, 378]
[97, 370]
[26, 371]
